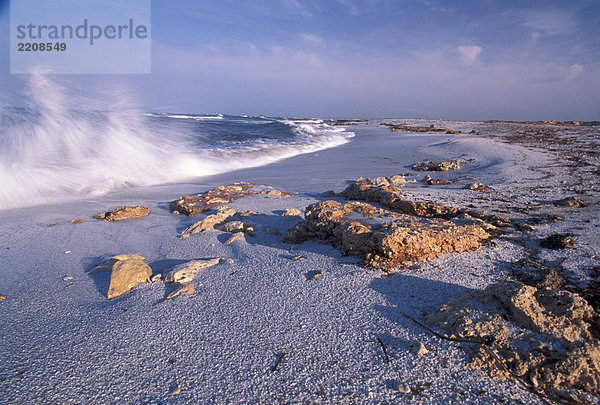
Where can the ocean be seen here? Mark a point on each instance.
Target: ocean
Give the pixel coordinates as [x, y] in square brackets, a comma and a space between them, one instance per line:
[57, 148]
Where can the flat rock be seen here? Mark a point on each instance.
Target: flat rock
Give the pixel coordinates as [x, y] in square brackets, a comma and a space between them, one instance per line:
[569, 202]
[186, 272]
[223, 214]
[381, 238]
[192, 205]
[123, 212]
[126, 274]
[477, 187]
[292, 212]
[437, 166]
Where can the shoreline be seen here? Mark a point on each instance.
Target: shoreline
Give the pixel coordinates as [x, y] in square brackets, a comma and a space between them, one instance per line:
[222, 342]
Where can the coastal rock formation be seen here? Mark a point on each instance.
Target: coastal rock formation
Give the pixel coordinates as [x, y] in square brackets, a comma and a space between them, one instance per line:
[392, 198]
[431, 128]
[186, 272]
[123, 212]
[542, 334]
[435, 166]
[192, 205]
[224, 213]
[433, 182]
[383, 238]
[126, 271]
[477, 187]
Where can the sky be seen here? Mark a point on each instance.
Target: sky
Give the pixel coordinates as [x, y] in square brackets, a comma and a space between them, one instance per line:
[464, 60]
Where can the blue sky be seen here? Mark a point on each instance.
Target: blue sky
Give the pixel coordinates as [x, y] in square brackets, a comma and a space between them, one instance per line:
[486, 59]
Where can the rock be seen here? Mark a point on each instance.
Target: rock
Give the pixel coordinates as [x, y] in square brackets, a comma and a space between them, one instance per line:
[404, 388]
[396, 179]
[569, 202]
[126, 274]
[156, 278]
[292, 212]
[418, 348]
[431, 128]
[186, 272]
[328, 194]
[563, 354]
[123, 212]
[475, 132]
[477, 187]
[192, 205]
[435, 166]
[211, 222]
[233, 226]
[314, 275]
[2, 297]
[432, 182]
[176, 391]
[391, 197]
[184, 289]
[558, 241]
[381, 239]
[235, 237]
[108, 264]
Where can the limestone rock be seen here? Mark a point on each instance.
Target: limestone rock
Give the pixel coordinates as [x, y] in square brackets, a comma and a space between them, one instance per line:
[381, 239]
[192, 205]
[186, 272]
[107, 265]
[2, 297]
[433, 182]
[391, 197]
[418, 348]
[437, 166]
[292, 212]
[541, 334]
[123, 212]
[211, 222]
[569, 202]
[235, 237]
[234, 226]
[184, 289]
[126, 274]
[477, 187]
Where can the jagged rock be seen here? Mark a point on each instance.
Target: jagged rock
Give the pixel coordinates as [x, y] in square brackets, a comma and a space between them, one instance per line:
[543, 335]
[224, 213]
[108, 264]
[558, 241]
[569, 202]
[2, 297]
[391, 197]
[475, 132]
[477, 187]
[123, 212]
[233, 226]
[434, 166]
[431, 128]
[126, 272]
[383, 240]
[186, 272]
[192, 205]
[184, 289]
[418, 348]
[156, 278]
[328, 194]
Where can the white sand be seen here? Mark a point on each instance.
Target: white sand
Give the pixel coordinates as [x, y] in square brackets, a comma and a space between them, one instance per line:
[64, 342]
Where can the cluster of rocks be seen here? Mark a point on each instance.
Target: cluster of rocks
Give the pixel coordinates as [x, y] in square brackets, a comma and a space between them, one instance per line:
[437, 166]
[384, 238]
[129, 270]
[226, 219]
[192, 205]
[431, 128]
[434, 182]
[542, 334]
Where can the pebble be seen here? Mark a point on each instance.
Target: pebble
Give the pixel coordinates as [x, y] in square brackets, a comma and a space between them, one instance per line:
[418, 348]
[2, 297]
[404, 388]
[156, 277]
[176, 391]
[67, 252]
[67, 278]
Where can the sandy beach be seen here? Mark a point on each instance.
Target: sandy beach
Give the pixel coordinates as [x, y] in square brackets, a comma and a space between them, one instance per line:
[260, 326]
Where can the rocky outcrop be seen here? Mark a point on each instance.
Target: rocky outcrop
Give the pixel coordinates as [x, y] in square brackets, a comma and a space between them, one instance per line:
[126, 271]
[223, 214]
[431, 128]
[477, 187]
[434, 182]
[123, 212]
[392, 198]
[383, 238]
[192, 205]
[186, 272]
[437, 166]
[569, 202]
[543, 335]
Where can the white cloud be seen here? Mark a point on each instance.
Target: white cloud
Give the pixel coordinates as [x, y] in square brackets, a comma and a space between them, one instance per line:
[313, 39]
[574, 71]
[550, 22]
[350, 6]
[469, 54]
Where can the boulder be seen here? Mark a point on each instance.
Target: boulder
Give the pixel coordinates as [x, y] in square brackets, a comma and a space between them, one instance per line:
[569, 202]
[223, 214]
[123, 212]
[125, 274]
[186, 272]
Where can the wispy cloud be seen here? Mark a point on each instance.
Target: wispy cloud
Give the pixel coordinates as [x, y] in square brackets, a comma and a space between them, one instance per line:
[468, 54]
[550, 22]
[351, 7]
[296, 7]
[313, 39]
[574, 71]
